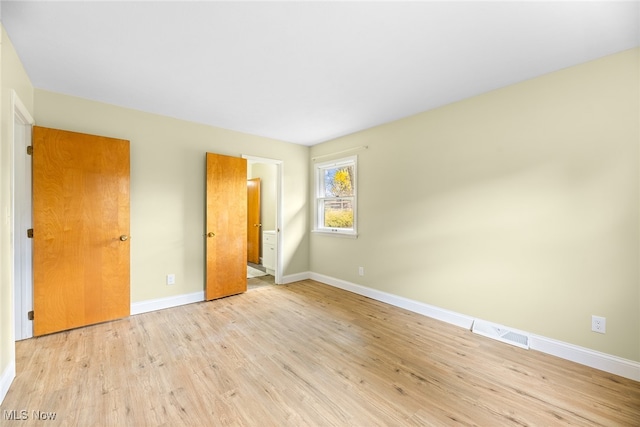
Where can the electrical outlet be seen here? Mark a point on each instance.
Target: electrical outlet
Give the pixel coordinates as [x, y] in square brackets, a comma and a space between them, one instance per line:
[598, 324]
[171, 279]
[361, 271]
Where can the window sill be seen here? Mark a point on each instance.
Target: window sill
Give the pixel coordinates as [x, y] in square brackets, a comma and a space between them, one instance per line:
[342, 234]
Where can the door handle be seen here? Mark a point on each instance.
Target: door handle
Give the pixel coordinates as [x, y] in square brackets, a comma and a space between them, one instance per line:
[211, 234]
[124, 237]
[257, 225]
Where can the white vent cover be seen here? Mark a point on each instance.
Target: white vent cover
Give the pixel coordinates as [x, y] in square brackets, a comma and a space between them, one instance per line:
[500, 333]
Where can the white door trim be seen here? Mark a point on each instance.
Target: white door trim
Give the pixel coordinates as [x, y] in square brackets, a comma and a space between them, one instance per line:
[21, 214]
[279, 203]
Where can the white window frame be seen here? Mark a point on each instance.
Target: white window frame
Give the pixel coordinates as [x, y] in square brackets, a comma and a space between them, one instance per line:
[319, 198]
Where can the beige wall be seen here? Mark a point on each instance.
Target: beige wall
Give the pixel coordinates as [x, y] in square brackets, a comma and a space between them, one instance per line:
[520, 206]
[168, 188]
[13, 78]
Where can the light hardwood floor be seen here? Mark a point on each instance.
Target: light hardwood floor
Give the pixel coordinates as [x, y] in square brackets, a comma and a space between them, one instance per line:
[304, 354]
[261, 281]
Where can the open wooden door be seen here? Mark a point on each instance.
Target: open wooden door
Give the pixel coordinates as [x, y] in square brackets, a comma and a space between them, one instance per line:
[80, 229]
[226, 232]
[253, 220]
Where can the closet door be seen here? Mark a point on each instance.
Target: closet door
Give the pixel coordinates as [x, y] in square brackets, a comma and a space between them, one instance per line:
[226, 230]
[80, 229]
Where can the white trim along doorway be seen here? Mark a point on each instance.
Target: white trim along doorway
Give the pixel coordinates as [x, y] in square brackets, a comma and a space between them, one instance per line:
[21, 214]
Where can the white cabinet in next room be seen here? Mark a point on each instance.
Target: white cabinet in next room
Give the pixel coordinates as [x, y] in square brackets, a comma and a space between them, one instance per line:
[269, 250]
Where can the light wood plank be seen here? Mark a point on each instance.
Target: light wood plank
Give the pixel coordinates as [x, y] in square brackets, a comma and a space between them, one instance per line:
[305, 354]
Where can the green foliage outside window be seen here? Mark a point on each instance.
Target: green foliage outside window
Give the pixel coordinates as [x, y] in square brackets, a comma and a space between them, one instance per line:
[338, 218]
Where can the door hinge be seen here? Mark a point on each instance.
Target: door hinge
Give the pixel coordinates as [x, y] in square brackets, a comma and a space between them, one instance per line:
[30, 233]
[30, 315]
[30, 150]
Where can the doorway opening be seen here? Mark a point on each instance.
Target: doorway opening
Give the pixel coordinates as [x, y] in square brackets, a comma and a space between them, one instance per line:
[264, 265]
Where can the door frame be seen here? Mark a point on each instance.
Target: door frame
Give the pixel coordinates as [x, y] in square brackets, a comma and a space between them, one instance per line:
[21, 211]
[279, 210]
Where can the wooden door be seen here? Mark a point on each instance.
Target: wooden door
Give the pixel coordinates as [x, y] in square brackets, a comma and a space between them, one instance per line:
[253, 220]
[226, 232]
[80, 229]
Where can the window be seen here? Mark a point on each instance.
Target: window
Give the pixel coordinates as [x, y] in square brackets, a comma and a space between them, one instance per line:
[336, 196]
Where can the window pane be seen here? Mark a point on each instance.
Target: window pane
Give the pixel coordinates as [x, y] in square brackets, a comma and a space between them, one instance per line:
[338, 182]
[336, 196]
[338, 213]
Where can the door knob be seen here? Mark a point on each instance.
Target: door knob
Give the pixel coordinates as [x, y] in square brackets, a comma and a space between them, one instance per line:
[257, 225]
[124, 237]
[211, 234]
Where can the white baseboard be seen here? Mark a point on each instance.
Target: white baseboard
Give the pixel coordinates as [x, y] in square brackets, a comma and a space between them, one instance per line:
[395, 300]
[295, 277]
[6, 379]
[168, 302]
[584, 356]
[175, 301]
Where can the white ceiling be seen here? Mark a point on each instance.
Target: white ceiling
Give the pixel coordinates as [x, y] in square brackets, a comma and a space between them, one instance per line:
[304, 72]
